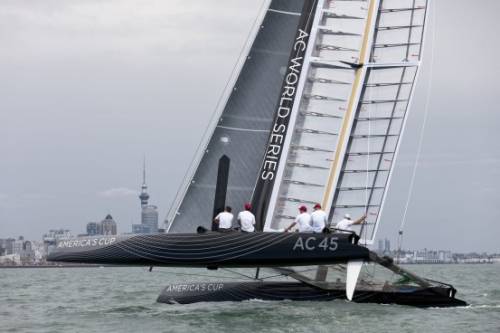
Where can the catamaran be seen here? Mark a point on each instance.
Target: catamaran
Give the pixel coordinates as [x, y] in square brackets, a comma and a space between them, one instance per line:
[314, 113]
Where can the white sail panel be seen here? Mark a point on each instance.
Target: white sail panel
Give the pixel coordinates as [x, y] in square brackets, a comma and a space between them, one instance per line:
[323, 105]
[399, 32]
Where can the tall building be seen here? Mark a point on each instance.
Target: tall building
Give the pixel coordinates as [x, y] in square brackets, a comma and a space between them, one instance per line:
[387, 246]
[94, 228]
[149, 213]
[108, 226]
[149, 218]
[380, 246]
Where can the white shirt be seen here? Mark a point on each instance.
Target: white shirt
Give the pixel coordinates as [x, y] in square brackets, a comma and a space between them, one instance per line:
[225, 220]
[304, 222]
[247, 221]
[345, 224]
[319, 219]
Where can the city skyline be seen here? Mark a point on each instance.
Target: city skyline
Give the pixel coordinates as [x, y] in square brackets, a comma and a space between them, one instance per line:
[84, 107]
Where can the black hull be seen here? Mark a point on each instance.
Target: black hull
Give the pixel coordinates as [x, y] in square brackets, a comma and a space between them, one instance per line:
[297, 291]
[212, 249]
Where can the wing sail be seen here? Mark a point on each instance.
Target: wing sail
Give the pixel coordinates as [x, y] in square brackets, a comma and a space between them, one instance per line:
[358, 86]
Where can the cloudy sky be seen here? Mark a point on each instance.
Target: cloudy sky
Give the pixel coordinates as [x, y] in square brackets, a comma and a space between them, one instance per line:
[88, 87]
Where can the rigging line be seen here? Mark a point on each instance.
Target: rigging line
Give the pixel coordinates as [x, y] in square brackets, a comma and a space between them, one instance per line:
[422, 131]
[288, 274]
[367, 195]
[240, 274]
[219, 101]
[199, 275]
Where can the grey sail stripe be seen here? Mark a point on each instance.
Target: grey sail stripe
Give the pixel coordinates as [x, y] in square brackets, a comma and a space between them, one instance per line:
[283, 54]
[394, 10]
[287, 217]
[313, 131]
[319, 114]
[302, 165]
[232, 188]
[323, 80]
[298, 200]
[283, 12]
[248, 118]
[308, 148]
[299, 182]
[243, 129]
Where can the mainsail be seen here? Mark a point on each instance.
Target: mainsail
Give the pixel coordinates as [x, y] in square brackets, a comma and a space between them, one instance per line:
[353, 73]
[244, 123]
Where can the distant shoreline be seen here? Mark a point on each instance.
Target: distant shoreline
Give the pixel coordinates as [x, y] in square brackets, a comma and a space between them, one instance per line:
[447, 263]
[97, 266]
[57, 266]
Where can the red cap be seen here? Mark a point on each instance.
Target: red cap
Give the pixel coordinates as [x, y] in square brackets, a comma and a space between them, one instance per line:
[317, 206]
[248, 206]
[303, 208]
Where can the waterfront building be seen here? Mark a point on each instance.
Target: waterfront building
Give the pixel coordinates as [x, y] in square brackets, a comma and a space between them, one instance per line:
[6, 246]
[50, 239]
[380, 246]
[149, 213]
[94, 228]
[149, 218]
[23, 251]
[108, 226]
[9, 246]
[387, 247]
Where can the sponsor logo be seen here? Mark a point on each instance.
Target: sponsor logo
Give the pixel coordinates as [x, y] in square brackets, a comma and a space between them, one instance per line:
[312, 243]
[87, 242]
[194, 287]
[288, 92]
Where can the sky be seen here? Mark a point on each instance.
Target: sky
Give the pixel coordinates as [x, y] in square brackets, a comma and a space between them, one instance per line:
[87, 88]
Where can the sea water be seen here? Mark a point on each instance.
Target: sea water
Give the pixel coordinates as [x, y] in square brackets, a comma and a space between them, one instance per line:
[123, 299]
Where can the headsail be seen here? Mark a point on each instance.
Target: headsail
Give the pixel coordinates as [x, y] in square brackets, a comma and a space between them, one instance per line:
[243, 124]
[350, 114]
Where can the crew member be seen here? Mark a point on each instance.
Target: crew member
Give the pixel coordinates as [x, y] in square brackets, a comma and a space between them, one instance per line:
[225, 219]
[246, 219]
[319, 219]
[303, 220]
[346, 223]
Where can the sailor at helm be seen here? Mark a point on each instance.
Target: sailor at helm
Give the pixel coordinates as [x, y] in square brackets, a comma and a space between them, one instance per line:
[319, 219]
[246, 219]
[346, 223]
[303, 220]
[225, 219]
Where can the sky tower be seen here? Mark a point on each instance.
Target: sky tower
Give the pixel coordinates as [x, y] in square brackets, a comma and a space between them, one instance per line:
[144, 196]
[149, 213]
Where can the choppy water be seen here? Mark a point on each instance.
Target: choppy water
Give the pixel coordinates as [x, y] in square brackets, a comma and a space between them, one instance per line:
[123, 300]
